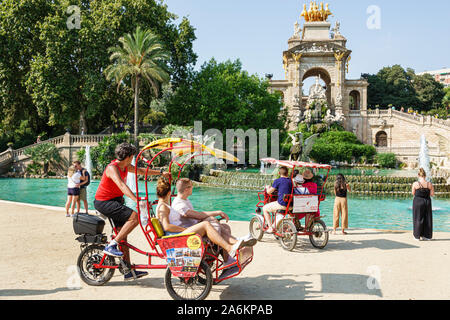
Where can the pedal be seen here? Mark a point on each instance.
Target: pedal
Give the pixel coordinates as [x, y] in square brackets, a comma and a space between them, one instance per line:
[125, 268]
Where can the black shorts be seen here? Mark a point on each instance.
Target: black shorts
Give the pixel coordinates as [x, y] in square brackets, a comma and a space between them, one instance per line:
[115, 210]
[73, 191]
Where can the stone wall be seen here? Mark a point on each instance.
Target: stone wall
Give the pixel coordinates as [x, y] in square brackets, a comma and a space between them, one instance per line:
[404, 132]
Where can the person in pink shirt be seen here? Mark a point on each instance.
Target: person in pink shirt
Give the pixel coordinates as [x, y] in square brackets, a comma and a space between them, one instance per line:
[311, 186]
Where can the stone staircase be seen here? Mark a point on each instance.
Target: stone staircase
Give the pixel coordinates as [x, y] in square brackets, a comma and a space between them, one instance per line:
[67, 144]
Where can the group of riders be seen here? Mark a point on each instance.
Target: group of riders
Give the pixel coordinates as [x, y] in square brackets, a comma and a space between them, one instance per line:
[177, 216]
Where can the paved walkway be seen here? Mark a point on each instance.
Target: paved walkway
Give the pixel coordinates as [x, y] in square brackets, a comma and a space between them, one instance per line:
[39, 255]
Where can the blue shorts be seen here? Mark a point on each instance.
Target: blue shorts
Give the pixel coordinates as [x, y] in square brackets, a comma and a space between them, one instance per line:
[73, 191]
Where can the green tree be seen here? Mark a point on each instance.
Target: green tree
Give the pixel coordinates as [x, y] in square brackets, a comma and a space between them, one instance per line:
[224, 96]
[52, 76]
[446, 99]
[428, 91]
[44, 155]
[387, 160]
[395, 86]
[19, 42]
[340, 146]
[140, 58]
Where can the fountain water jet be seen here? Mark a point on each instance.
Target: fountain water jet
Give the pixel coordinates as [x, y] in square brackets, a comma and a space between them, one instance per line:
[424, 158]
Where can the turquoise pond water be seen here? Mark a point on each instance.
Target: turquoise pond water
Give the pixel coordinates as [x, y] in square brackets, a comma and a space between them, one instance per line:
[364, 212]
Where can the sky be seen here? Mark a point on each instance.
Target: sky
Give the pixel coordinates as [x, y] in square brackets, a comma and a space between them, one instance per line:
[414, 34]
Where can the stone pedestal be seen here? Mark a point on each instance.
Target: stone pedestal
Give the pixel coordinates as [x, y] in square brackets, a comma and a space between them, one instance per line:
[316, 31]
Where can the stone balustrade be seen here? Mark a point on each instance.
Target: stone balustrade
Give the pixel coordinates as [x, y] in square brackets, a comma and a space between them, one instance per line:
[87, 139]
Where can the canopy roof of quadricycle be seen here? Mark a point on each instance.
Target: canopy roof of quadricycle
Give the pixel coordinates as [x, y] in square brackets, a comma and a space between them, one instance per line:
[292, 164]
[182, 147]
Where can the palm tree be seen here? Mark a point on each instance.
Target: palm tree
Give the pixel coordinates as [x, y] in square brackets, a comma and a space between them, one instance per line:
[43, 155]
[141, 57]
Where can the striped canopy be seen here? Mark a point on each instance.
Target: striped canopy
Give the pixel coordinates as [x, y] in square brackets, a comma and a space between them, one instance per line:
[292, 164]
[183, 147]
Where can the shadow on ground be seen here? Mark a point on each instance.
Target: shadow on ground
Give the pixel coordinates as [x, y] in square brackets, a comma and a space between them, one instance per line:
[30, 292]
[268, 287]
[334, 244]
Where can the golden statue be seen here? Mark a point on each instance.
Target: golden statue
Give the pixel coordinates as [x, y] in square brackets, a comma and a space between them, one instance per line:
[305, 13]
[316, 14]
[327, 13]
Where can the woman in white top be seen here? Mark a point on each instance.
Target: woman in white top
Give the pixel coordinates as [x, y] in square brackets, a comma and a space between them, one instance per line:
[74, 179]
[170, 220]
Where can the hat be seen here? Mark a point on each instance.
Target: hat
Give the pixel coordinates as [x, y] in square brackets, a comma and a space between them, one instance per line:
[307, 175]
[299, 179]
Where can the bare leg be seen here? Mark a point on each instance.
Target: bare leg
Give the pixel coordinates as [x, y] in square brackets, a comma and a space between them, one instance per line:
[225, 231]
[85, 205]
[205, 228]
[268, 219]
[74, 202]
[128, 227]
[69, 201]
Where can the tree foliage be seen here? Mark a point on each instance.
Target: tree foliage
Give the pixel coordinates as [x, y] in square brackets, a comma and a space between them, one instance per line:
[340, 146]
[223, 96]
[141, 59]
[395, 86]
[43, 155]
[52, 76]
[387, 160]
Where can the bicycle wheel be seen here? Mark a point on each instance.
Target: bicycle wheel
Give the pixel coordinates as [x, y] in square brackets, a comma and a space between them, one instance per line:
[319, 236]
[93, 276]
[192, 288]
[256, 228]
[288, 233]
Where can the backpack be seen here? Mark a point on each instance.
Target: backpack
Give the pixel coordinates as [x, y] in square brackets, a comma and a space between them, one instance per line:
[89, 180]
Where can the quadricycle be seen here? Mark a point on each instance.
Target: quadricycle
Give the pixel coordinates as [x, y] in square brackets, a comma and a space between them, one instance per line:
[287, 223]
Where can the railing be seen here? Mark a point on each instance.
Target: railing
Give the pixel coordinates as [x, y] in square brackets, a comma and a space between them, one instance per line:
[5, 157]
[55, 141]
[80, 139]
[428, 120]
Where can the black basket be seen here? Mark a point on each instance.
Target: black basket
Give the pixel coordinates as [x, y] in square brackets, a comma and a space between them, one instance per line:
[87, 224]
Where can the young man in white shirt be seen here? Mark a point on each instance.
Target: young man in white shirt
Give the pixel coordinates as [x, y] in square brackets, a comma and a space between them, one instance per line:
[191, 217]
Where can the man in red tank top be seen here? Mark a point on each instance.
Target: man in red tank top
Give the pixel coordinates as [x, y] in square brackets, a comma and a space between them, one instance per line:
[109, 200]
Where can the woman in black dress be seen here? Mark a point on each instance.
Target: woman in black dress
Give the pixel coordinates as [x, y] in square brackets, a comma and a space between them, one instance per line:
[422, 212]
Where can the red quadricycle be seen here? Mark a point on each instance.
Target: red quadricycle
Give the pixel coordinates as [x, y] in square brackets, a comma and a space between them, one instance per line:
[287, 223]
[193, 264]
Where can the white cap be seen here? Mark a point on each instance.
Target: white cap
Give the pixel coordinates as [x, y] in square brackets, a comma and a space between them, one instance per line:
[299, 179]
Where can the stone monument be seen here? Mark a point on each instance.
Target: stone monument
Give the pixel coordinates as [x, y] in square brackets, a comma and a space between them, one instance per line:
[319, 51]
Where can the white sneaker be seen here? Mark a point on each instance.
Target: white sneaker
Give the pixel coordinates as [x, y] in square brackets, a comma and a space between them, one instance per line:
[235, 248]
[426, 239]
[247, 237]
[248, 241]
[418, 239]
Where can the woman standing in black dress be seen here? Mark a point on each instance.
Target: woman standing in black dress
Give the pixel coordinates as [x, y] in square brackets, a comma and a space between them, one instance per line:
[422, 212]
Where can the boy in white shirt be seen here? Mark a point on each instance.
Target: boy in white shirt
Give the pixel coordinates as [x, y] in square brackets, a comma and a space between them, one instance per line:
[191, 217]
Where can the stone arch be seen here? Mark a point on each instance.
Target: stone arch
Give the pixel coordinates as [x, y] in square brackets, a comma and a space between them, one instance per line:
[355, 100]
[324, 75]
[381, 139]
